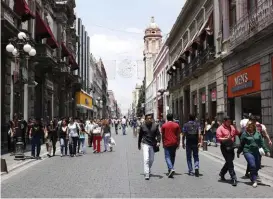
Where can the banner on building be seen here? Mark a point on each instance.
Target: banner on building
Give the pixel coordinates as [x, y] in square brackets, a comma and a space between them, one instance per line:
[213, 95]
[203, 98]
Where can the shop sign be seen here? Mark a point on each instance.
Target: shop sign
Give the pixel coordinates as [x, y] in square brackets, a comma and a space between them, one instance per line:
[213, 95]
[203, 98]
[84, 100]
[245, 81]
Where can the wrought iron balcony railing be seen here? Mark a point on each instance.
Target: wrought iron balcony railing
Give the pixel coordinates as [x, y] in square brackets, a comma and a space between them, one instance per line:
[252, 23]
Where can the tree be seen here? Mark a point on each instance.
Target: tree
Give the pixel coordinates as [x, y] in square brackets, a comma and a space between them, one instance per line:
[141, 100]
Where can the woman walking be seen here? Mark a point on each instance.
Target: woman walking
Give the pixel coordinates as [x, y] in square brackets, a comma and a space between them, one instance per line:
[63, 138]
[97, 137]
[51, 136]
[82, 139]
[106, 134]
[252, 145]
[73, 134]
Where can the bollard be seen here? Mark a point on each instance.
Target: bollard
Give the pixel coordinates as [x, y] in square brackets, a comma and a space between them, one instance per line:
[4, 167]
[205, 145]
[19, 150]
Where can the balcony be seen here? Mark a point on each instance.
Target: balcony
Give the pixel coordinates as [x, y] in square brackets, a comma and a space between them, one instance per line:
[45, 56]
[9, 18]
[253, 26]
[61, 69]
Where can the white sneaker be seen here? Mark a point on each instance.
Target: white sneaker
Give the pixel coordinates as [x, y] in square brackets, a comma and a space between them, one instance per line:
[255, 184]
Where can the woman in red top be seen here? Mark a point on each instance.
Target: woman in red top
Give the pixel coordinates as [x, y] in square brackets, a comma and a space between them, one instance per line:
[226, 134]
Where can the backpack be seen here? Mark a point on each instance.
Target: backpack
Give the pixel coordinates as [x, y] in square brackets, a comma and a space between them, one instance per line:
[192, 131]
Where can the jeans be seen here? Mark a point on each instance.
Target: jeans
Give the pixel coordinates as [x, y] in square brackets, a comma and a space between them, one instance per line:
[170, 156]
[253, 161]
[90, 140]
[73, 145]
[106, 140]
[192, 150]
[36, 143]
[116, 129]
[81, 143]
[148, 157]
[228, 166]
[63, 144]
[135, 131]
[209, 136]
[123, 129]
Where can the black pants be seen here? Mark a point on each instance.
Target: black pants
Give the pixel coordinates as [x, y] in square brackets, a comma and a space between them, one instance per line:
[228, 166]
[90, 140]
[73, 145]
[54, 141]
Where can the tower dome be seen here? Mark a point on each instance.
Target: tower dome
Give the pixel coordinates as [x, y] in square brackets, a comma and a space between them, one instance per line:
[153, 25]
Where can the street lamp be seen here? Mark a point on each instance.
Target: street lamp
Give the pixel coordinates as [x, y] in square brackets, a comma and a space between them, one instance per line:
[99, 102]
[20, 48]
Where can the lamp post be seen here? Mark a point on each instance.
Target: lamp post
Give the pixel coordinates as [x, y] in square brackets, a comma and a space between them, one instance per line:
[99, 102]
[21, 49]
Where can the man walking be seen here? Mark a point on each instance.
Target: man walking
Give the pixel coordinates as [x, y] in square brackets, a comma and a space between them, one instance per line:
[150, 138]
[123, 125]
[226, 134]
[171, 139]
[192, 135]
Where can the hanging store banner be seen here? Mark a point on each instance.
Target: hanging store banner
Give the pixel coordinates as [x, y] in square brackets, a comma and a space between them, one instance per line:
[213, 95]
[203, 98]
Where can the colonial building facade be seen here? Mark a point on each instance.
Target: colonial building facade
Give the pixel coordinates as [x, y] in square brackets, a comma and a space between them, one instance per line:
[195, 71]
[160, 76]
[248, 59]
[44, 85]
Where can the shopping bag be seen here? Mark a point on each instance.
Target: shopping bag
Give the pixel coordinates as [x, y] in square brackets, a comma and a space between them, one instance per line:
[112, 141]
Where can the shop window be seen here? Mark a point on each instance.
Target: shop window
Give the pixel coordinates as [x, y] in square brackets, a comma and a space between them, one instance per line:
[232, 13]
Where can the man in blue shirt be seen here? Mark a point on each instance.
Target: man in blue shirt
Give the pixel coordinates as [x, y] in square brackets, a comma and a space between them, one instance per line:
[192, 135]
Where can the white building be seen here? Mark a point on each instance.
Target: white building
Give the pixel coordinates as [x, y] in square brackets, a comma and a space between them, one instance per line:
[152, 41]
[160, 95]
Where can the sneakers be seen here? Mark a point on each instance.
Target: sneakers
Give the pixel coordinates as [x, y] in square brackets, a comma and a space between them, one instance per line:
[234, 183]
[255, 184]
[111, 148]
[147, 176]
[222, 177]
[171, 173]
[196, 173]
[191, 173]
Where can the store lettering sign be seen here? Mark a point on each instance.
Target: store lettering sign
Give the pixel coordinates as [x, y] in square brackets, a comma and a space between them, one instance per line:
[241, 82]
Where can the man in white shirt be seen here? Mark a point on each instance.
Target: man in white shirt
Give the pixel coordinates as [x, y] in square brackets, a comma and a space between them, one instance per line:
[123, 125]
[89, 129]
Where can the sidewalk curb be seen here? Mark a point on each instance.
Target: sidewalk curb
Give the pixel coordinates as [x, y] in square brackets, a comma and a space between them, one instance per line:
[26, 162]
[261, 174]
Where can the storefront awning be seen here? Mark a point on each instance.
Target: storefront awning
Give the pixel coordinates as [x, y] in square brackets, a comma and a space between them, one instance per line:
[22, 9]
[207, 26]
[84, 100]
[52, 42]
[73, 63]
[65, 51]
[42, 29]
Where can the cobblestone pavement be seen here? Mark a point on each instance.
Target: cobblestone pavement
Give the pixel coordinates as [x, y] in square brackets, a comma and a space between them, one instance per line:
[120, 174]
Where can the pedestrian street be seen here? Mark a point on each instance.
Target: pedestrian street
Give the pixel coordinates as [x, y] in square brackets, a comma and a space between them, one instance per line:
[119, 174]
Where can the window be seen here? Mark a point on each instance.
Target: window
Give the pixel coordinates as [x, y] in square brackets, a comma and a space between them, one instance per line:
[232, 13]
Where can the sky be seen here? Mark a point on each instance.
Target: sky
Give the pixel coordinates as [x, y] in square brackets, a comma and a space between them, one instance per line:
[116, 30]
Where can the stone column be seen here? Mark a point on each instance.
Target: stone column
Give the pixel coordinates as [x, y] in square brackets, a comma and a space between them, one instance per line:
[225, 11]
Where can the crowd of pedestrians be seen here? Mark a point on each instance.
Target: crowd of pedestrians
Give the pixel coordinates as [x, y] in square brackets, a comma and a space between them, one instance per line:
[252, 136]
[70, 133]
